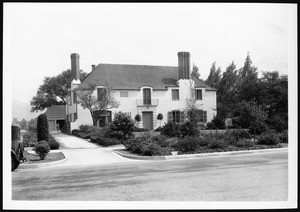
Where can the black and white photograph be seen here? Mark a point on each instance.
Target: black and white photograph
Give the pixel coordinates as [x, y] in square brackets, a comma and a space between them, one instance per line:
[150, 106]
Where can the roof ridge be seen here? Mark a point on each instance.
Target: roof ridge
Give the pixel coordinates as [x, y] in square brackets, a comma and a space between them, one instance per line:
[135, 65]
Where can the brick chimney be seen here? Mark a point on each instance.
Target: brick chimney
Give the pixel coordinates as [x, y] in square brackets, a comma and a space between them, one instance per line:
[184, 67]
[93, 66]
[75, 72]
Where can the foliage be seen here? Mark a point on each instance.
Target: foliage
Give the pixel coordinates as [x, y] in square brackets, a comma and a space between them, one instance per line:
[214, 143]
[90, 129]
[96, 106]
[214, 76]
[124, 124]
[42, 128]
[23, 124]
[29, 139]
[284, 136]
[32, 125]
[139, 129]
[53, 91]
[244, 142]
[278, 122]
[42, 149]
[195, 72]
[189, 129]
[159, 129]
[211, 125]
[187, 144]
[104, 141]
[53, 143]
[240, 133]
[137, 117]
[171, 129]
[269, 138]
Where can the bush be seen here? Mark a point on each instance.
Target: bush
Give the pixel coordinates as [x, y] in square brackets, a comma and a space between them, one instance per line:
[239, 133]
[54, 145]
[216, 143]
[189, 129]
[278, 122]
[90, 129]
[172, 141]
[159, 129]
[218, 122]
[171, 129]
[42, 149]
[42, 128]
[138, 129]
[284, 136]
[211, 125]
[244, 142]
[104, 141]
[29, 139]
[124, 124]
[269, 138]
[187, 144]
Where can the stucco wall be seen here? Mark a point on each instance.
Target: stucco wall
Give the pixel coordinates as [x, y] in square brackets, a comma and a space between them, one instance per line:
[164, 101]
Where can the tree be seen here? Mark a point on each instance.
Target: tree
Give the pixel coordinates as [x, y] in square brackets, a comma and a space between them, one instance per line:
[160, 117]
[124, 124]
[42, 128]
[192, 107]
[32, 124]
[195, 72]
[248, 81]
[23, 124]
[97, 107]
[227, 92]
[214, 76]
[137, 118]
[53, 91]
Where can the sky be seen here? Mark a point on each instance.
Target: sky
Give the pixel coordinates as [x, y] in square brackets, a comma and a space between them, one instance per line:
[39, 37]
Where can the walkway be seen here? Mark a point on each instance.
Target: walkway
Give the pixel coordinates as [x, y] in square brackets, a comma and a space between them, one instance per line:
[79, 151]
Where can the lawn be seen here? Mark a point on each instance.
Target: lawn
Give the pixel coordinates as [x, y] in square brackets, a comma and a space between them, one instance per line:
[31, 158]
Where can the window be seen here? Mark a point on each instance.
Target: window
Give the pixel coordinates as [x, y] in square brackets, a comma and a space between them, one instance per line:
[101, 92]
[175, 94]
[147, 96]
[123, 93]
[203, 116]
[104, 119]
[176, 116]
[74, 97]
[198, 94]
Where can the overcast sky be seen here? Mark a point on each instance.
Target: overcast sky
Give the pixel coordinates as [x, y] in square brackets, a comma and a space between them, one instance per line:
[39, 37]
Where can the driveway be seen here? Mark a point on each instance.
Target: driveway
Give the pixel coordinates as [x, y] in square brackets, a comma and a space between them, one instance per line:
[79, 151]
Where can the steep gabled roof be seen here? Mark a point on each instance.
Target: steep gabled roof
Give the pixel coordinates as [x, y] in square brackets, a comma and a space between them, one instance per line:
[120, 76]
[56, 111]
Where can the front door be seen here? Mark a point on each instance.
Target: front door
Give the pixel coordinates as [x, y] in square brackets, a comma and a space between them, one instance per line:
[148, 120]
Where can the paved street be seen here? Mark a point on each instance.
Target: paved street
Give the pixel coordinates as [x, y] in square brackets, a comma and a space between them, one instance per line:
[253, 177]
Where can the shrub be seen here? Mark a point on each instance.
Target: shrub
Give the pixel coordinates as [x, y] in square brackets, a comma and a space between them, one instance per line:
[269, 138]
[172, 141]
[29, 139]
[75, 132]
[239, 133]
[124, 124]
[187, 144]
[278, 122]
[211, 125]
[216, 143]
[218, 122]
[137, 117]
[171, 129]
[90, 129]
[244, 142]
[42, 128]
[54, 145]
[284, 136]
[189, 129]
[159, 129]
[104, 141]
[42, 149]
[138, 129]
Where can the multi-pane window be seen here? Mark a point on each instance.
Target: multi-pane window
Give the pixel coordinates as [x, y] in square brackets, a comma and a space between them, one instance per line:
[123, 93]
[175, 94]
[198, 94]
[105, 117]
[101, 92]
[203, 116]
[176, 116]
[147, 96]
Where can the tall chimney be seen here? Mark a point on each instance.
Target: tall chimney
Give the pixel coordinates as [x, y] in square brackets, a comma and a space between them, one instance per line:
[184, 67]
[75, 72]
[93, 66]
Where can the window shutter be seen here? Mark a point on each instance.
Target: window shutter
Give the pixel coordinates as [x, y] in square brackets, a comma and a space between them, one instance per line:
[200, 94]
[170, 116]
[181, 116]
[75, 116]
[205, 116]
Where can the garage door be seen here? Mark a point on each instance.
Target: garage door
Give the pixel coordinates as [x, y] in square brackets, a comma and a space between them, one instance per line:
[51, 124]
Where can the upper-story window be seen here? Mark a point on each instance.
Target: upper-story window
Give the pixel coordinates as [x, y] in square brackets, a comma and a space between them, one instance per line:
[147, 96]
[198, 94]
[74, 97]
[175, 94]
[124, 94]
[101, 93]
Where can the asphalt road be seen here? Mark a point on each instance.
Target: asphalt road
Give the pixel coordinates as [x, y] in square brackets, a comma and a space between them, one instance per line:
[253, 177]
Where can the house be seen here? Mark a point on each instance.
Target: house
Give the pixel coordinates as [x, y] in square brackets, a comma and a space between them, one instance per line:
[56, 116]
[145, 90]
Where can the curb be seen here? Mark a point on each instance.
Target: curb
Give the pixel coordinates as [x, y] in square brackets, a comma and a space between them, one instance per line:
[42, 165]
[201, 155]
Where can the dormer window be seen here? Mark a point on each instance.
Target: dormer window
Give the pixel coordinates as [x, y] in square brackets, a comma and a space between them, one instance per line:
[101, 92]
[198, 94]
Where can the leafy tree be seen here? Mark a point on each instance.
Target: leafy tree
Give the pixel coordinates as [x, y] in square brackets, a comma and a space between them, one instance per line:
[248, 81]
[97, 107]
[195, 72]
[137, 118]
[32, 125]
[53, 91]
[214, 76]
[23, 124]
[192, 106]
[160, 117]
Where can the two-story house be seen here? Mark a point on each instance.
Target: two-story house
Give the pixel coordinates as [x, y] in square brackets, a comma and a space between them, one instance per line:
[145, 90]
